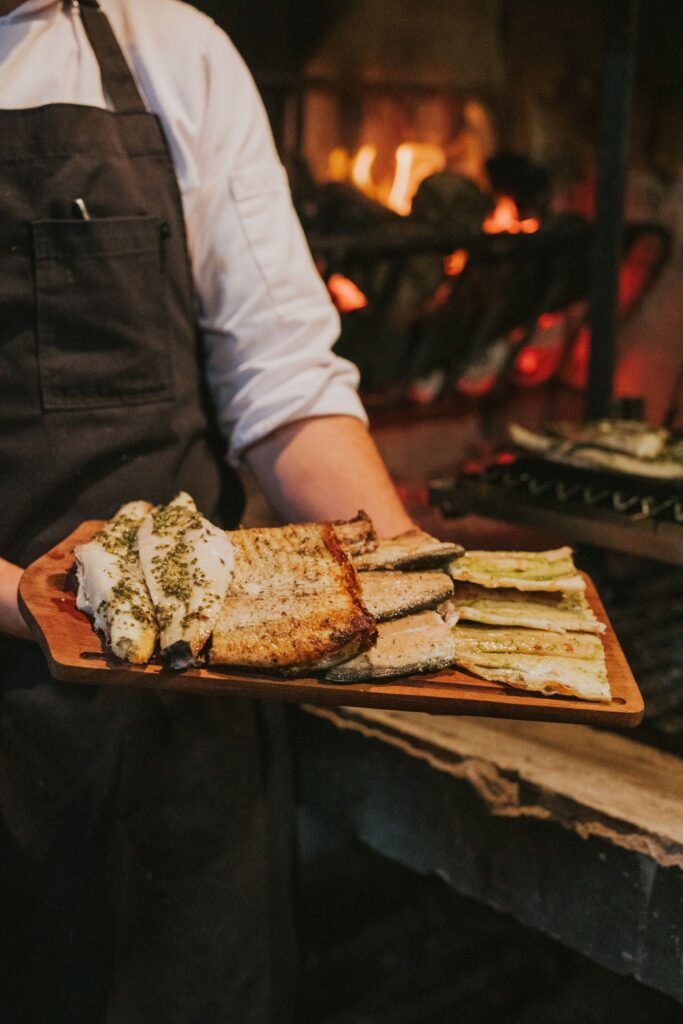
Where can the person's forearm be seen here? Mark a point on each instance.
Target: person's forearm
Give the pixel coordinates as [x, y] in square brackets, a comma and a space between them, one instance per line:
[327, 468]
[10, 616]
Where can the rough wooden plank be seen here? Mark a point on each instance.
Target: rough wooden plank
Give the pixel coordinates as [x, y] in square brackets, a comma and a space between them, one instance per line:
[577, 833]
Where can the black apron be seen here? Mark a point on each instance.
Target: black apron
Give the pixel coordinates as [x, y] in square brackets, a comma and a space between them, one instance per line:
[144, 839]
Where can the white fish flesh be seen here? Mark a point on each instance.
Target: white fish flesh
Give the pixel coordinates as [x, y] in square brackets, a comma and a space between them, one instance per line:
[112, 588]
[187, 563]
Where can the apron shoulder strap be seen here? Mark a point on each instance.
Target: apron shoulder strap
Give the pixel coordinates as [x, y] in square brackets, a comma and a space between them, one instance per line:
[117, 78]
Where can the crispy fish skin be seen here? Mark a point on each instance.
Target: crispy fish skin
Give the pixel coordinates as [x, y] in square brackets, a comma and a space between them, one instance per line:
[417, 643]
[554, 611]
[524, 570]
[112, 588]
[187, 562]
[388, 595]
[413, 549]
[358, 534]
[294, 601]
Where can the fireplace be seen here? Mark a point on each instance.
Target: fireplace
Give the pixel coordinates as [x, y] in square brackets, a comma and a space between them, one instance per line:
[377, 102]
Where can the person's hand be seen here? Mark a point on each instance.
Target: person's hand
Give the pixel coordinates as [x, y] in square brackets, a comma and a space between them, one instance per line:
[11, 620]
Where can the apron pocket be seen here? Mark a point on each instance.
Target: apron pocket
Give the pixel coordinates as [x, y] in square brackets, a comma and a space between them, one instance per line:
[102, 319]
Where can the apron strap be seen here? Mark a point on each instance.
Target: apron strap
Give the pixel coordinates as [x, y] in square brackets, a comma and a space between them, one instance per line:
[117, 78]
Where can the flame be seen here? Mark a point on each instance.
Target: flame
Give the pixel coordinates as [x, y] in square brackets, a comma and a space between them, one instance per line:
[415, 161]
[505, 217]
[338, 164]
[456, 262]
[361, 170]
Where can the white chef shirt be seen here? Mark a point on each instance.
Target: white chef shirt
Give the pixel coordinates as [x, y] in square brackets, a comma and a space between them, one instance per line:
[266, 319]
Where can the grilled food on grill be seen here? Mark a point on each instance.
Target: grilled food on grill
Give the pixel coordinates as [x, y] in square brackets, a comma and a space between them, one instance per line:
[388, 595]
[509, 607]
[187, 563]
[621, 446]
[112, 589]
[293, 602]
[418, 643]
[414, 549]
[523, 570]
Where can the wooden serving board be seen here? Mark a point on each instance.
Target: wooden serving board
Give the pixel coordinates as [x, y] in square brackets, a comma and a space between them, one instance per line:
[75, 654]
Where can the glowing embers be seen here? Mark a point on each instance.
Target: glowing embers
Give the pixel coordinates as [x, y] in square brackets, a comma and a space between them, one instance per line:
[505, 217]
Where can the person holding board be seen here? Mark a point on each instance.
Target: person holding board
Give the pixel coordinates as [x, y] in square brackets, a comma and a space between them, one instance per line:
[157, 300]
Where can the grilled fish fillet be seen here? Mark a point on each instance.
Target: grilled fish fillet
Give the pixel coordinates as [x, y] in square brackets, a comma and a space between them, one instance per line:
[567, 664]
[523, 570]
[566, 677]
[388, 595]
[508, 607]
[620, 446]
[417, 643]
[475, 641]
[414, 549]
[187, 563]
[112, 588]
[293, 602]
[358, 534]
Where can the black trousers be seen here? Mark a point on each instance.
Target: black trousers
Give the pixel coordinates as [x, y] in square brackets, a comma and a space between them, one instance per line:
[145, 855]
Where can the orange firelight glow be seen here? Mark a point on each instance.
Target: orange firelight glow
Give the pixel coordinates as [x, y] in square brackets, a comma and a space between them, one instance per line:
[346, 295]
[415, 161]
[361, 170]
[455, 263]
[505, 217]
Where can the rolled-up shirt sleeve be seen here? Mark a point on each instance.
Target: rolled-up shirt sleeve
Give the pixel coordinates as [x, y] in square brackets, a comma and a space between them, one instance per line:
[267, 322]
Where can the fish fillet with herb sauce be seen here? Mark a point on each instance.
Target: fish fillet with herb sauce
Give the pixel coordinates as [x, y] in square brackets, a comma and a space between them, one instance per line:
[554, 611]
[112, 588]
[524, 570]
[187, 563]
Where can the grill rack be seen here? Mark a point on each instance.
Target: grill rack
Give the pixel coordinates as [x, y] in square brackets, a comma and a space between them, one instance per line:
[615, 510]
[637, 497]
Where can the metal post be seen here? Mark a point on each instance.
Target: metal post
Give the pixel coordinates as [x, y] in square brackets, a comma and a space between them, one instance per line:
[620, 18]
